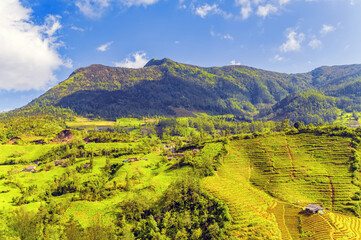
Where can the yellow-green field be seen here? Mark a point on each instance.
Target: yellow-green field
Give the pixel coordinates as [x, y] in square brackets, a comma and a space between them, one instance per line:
[267, 181]
[84, 123]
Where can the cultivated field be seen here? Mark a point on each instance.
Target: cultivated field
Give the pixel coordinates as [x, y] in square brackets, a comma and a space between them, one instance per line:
[267, 181]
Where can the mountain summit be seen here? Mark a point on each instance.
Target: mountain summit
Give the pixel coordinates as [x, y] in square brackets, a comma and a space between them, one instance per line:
[156, 62]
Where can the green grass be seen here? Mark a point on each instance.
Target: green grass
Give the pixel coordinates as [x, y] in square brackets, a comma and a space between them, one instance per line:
[23, 153]
[149, 178]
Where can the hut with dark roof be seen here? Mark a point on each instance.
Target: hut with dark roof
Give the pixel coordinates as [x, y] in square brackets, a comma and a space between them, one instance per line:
[314, 208]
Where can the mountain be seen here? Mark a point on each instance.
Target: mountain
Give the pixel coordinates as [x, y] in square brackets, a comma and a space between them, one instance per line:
[164, 87]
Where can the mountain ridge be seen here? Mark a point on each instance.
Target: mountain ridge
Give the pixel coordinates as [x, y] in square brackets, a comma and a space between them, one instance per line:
[162, 85]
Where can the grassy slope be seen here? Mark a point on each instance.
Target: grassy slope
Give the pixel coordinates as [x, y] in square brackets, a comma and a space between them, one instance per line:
[148, 178]
[294, 169]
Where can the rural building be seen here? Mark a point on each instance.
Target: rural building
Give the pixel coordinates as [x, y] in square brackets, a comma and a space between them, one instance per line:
[86, 165]
[29, 169]
[172, 150]
[134, 160]
[314, 208]
[195, 151]
[60, 163]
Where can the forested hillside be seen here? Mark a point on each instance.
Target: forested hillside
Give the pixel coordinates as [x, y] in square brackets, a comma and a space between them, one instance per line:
[163, 85]
[167, 88]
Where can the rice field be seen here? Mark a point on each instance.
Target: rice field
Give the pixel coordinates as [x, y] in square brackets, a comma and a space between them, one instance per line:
[267, 181]
[84, 123]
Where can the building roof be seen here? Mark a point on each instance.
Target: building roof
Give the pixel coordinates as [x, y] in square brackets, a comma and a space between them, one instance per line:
[315, 207]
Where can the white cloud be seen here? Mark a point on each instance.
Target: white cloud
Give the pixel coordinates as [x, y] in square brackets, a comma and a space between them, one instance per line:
[207, 9]
[293, 42]
[246, 8]
[181, 4]
[29, 54]
[315, 43]
[265, 10]
[130, 3]
[257, 2]
[177, 42]
[246, 11]
[104, 47]
[204, 10]
[92, 8]
[52, 24]
[283, 2]
[352, 2]
[234, 62]
[95, 8]
[278, 58]
[262, 8]
[228, 37]
[75, 28]
[136, 60]
[221, 36]
[327, 29]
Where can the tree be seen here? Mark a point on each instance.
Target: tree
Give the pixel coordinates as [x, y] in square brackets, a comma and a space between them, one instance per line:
[297, 125]
[73, 230]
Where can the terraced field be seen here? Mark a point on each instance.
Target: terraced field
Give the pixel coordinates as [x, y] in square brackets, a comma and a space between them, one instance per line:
[266, 182]
[248, 205]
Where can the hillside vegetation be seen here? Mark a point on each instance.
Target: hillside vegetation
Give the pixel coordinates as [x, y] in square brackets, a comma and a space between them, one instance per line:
[203, 177]
[167, 88]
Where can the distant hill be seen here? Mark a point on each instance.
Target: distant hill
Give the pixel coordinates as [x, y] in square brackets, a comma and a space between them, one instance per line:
[307, 107]
[162, 86]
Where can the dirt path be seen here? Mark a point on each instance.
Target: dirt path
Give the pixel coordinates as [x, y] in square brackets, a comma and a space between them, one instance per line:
[292, 171]
[332, 189]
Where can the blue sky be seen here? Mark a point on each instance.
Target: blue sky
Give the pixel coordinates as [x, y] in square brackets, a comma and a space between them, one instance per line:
[42, 41]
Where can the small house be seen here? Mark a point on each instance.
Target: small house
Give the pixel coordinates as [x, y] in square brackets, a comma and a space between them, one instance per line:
[86, 165]
[195, 151]
[172, 150]
[314, 208]
[29, 169]
[58, 162]
[178, 155]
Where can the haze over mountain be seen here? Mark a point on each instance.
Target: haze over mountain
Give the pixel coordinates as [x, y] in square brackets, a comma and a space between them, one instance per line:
[164, 87]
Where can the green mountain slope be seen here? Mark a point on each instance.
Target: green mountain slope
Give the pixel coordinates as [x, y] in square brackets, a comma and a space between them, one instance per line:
[163, 86]
[307, 107]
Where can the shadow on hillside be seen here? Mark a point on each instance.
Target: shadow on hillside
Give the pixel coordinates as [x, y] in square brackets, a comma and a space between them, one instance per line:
[149, 98]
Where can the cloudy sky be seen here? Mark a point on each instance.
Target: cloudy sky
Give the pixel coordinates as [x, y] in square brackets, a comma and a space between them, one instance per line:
[42, 41]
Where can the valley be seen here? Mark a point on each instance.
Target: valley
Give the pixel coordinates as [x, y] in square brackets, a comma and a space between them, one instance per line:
[260, 176]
